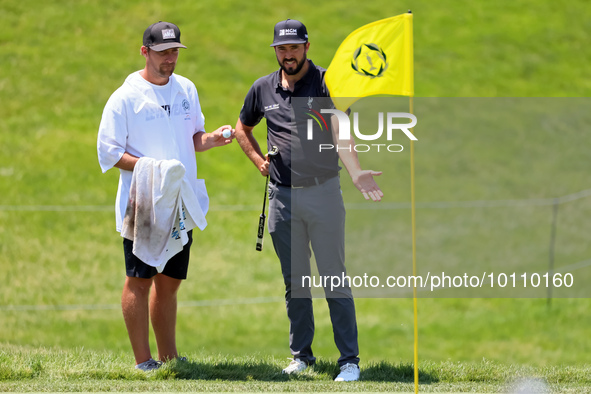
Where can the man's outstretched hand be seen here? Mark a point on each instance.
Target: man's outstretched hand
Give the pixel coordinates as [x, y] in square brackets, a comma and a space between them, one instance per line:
[363, 180]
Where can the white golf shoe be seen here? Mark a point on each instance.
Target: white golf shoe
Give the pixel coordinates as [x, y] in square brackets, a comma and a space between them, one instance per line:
[149, 365]
[295, 366]
[349, 373]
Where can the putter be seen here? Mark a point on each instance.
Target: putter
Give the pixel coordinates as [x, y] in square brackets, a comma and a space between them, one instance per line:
[261, 230]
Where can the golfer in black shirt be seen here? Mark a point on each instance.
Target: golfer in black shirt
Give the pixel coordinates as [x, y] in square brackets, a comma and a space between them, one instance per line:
[305, 203]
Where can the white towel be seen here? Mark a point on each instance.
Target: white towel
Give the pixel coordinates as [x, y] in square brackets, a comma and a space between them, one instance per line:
[162, 208]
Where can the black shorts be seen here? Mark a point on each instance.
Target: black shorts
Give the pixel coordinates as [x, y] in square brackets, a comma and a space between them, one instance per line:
[176, 267]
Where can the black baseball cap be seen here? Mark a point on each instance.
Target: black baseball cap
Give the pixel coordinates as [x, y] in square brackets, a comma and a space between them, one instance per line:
[162, 36]
[290, 32]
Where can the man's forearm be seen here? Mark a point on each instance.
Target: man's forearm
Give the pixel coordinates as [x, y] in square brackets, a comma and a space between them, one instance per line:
[202, 141]
[249, 144]
[127, 162]
[348, 156]
[363, 180]
[345, 150]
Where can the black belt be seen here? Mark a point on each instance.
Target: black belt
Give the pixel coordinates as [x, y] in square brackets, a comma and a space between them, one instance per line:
[307, 182]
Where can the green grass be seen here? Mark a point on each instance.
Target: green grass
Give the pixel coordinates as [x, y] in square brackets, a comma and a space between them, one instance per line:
[61, 269]
[41, 369]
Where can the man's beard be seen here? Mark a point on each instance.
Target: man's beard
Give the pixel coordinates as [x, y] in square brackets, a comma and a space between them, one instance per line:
[297, 69]
[166, 70]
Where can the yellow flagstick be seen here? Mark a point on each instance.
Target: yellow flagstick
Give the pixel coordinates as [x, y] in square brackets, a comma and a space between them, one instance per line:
[414, 255]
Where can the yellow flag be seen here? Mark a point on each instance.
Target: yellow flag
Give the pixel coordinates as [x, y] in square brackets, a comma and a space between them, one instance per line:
[375, 59]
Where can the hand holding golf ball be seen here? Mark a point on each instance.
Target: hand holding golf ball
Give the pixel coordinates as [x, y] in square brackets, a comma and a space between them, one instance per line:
[227, 133]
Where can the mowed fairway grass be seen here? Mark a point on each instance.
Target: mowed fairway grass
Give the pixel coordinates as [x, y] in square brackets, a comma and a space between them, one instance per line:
[61, 266]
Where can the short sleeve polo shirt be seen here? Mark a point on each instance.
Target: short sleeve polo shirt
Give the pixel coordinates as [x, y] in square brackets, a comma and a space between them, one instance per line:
[298, 159]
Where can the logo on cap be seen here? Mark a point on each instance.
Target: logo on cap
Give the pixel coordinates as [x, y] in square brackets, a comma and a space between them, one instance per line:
[167, 34]
[288, 32]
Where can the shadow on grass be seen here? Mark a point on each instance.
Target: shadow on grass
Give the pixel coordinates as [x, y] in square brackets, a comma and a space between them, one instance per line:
[228, 370]
[402, 373]
[270, 372]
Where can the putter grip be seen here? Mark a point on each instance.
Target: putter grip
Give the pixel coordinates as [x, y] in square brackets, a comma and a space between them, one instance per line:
[260, 232]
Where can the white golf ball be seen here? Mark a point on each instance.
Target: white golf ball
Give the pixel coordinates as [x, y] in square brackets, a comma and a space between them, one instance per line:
[227, 133]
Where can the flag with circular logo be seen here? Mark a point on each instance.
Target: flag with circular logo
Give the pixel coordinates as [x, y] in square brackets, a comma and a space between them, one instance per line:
[375, 59]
